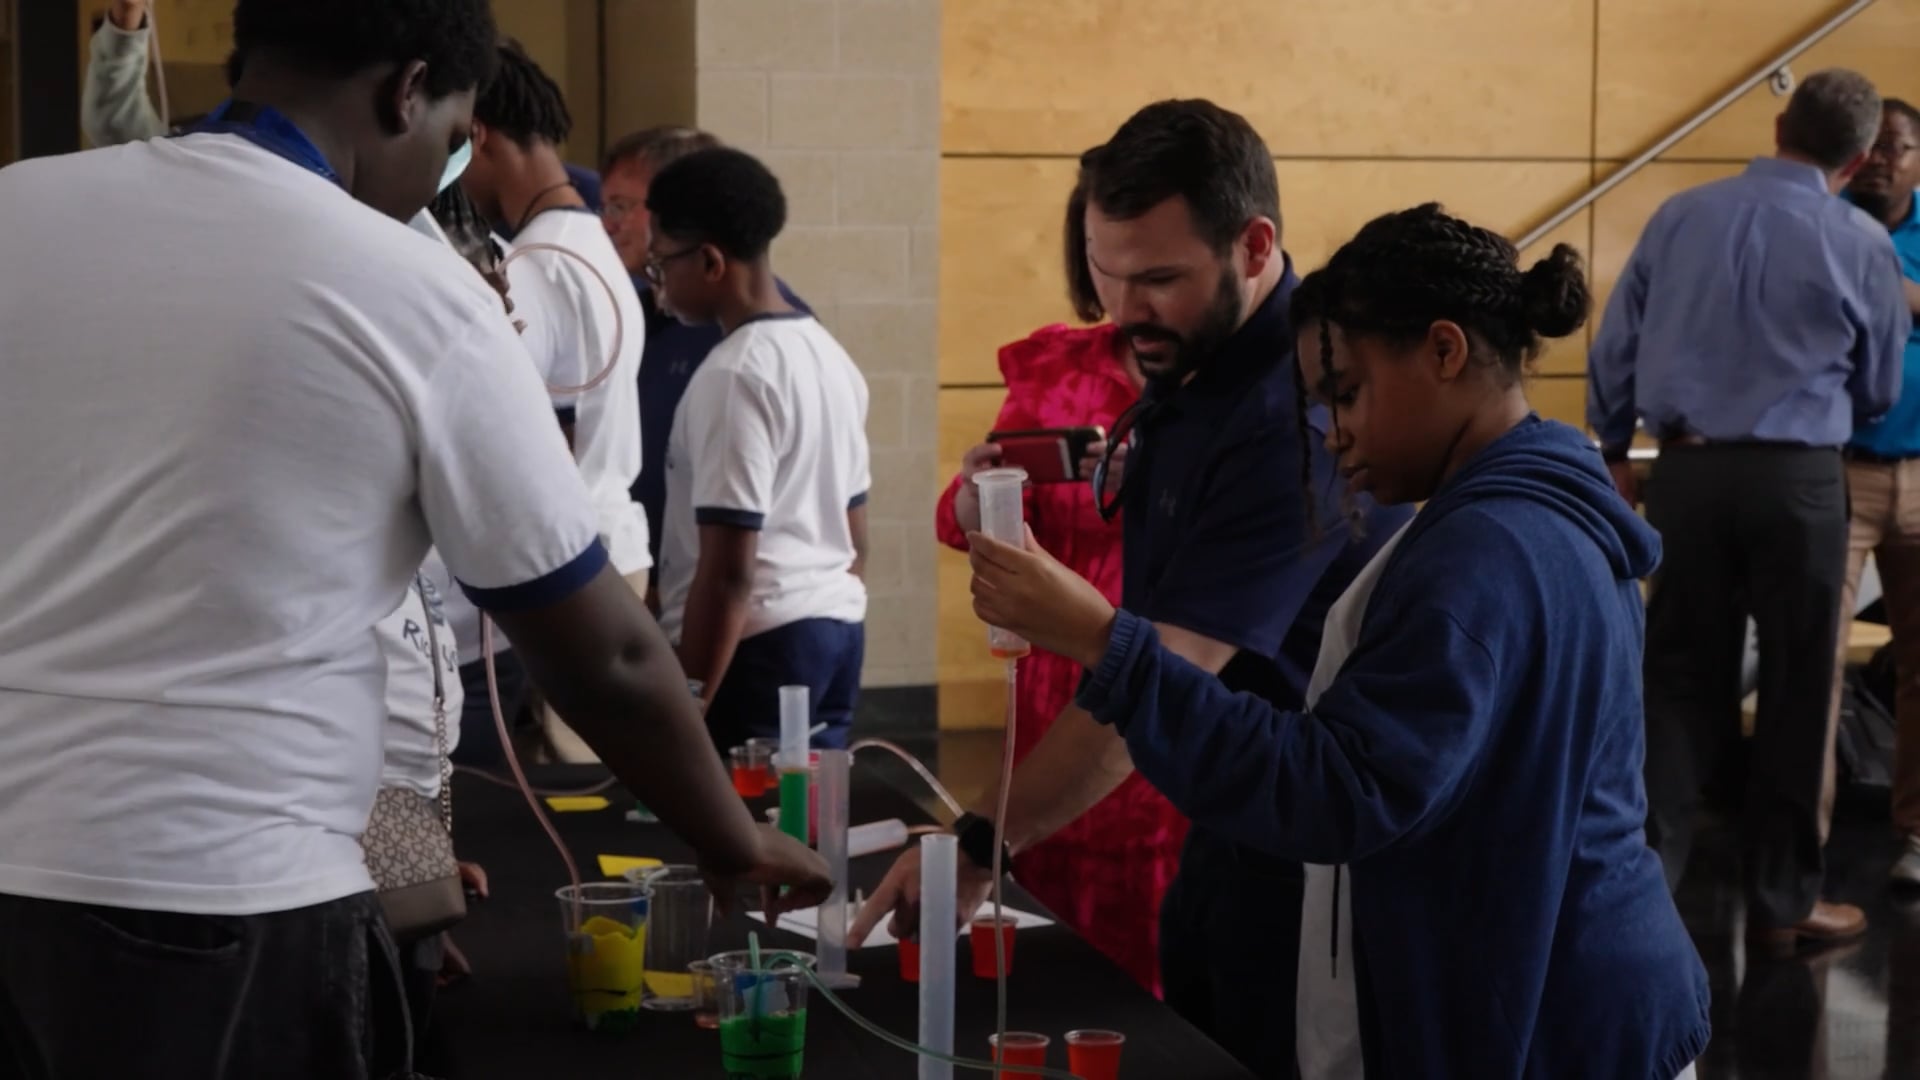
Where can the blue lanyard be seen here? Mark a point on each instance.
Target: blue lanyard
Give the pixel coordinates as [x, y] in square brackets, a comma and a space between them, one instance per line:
[270, 130]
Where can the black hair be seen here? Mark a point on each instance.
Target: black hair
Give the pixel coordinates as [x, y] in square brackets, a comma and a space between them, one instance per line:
[1190, 148]
[1081, 292]
[1902, 108]
[1407, 270]
[1832, 118]
[523, 102]
[339, 38]
[724, 197]
[657, 147]
[467, 229]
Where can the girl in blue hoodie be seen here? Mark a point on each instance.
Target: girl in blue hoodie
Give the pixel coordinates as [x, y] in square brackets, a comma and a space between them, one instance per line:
[1475, 762]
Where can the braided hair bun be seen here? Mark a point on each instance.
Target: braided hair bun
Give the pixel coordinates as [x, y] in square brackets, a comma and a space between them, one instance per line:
[1553, 293]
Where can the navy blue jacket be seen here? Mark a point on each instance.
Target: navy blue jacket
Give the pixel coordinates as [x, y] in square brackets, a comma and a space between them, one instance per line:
[1477, 763]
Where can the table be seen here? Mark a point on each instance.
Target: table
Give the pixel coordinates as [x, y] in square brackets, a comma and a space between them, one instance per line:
[511, 1020]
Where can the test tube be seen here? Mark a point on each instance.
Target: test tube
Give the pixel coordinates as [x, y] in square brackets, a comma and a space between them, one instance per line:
[794, 764]
[938, 880]
[1002, 515]
[834, 767]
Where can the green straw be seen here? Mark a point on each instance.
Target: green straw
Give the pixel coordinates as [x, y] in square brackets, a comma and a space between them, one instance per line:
[754, 1001]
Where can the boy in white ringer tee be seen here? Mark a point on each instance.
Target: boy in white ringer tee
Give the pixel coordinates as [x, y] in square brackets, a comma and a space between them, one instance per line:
[767, 466]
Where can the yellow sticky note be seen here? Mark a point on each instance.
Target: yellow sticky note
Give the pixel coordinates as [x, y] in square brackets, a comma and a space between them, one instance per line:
[615, 866]
[566, 804]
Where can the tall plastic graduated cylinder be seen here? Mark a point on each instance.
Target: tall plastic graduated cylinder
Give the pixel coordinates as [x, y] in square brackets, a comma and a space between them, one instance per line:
[835, 767]
[1003, 517]
[796, 709]
[939, 855]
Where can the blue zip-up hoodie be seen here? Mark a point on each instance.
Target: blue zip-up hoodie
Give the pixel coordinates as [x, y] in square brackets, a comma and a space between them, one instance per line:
[1477, 764]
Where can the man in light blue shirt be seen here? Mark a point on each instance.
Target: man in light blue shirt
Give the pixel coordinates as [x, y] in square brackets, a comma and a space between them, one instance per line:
[1883, 479]
[1759, 321]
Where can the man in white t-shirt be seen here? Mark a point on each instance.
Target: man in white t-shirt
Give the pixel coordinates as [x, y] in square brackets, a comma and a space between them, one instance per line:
[767, 465]
[215, 488]
[583, 317]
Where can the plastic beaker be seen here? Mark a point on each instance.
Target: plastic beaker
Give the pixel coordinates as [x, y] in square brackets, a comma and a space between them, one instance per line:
[752, 770]
[981, 933]
[1094, 1055]
[763, 1020]
[1002, 516]
[606, 933]
[706, 994]
[1019, 1048]
[676, 933]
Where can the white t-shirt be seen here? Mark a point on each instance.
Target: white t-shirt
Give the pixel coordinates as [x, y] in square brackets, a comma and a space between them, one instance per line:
[214, 487]
[1327, 1010]
[408, 638]
[570, 333]
[771, 435]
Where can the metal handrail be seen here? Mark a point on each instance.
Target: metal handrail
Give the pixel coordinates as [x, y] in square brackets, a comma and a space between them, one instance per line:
[1766, 72]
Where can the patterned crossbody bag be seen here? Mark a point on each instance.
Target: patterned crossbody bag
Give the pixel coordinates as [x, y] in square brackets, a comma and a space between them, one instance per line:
[409, 837]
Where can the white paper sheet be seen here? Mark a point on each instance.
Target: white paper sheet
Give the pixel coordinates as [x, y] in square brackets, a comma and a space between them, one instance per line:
[806, 923]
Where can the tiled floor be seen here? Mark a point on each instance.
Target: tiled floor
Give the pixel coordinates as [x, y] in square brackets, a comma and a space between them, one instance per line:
[1849, 1014]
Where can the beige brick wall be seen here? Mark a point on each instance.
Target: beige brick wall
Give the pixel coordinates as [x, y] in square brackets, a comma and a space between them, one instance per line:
[842, 99]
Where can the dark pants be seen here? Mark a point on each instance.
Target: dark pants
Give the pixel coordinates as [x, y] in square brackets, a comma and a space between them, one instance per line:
[479, 735]
[1230, 947]
[91, 992]
[823, 655]
[1760, 530]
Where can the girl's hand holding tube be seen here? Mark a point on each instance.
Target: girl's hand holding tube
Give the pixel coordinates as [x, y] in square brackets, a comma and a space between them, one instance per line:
[1029, 592]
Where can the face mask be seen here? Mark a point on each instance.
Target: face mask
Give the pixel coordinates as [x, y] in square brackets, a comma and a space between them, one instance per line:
[457, 163]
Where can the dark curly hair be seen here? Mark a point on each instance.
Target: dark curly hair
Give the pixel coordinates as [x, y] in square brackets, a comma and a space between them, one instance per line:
[724, 197]
[338, 38]
[1407, 270]
[523, 102]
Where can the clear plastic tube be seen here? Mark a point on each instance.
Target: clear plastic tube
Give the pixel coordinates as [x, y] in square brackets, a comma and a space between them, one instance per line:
[834, 843]
[513, 761]
[919, 767]
[910, 1047]
[939, 885]
[619, 320]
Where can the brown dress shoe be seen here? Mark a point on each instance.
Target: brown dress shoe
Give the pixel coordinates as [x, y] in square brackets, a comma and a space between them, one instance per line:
[1825, 924]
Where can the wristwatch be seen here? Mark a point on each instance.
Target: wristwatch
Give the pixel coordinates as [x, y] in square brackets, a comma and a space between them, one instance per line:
[976, 842]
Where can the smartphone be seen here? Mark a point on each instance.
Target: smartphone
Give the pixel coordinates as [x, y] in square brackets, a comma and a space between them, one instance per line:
[1050, 455]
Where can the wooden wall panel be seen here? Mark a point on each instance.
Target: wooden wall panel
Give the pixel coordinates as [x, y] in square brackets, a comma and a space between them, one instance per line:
[1449, 78]
[1000, 256]
[1655, 69]
[1560, 397]
[965, 418]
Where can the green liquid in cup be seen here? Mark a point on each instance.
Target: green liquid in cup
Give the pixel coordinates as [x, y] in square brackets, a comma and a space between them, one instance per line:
[763, 1047]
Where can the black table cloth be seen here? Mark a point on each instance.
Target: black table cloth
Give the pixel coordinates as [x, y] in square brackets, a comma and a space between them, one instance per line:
[512, 1018]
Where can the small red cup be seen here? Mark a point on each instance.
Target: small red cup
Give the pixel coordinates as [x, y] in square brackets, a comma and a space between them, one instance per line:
[981, 934]
[1095, 1055]
[1019, 1048]
[910, 961]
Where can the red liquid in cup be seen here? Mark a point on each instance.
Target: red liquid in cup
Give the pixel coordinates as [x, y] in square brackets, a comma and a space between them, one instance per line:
[910, 961]
[749, 783]
[707, 1019]
[1097, 1059]
[981, 934]
[1019, 1054]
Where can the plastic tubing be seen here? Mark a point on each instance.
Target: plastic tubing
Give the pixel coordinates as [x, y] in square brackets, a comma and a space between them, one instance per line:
[513, 761]
[619, 320]
[923, 1052]
[919, 767]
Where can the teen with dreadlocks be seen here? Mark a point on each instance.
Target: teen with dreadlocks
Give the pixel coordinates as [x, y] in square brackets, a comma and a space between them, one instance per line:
[572, 325]
[1475, 757]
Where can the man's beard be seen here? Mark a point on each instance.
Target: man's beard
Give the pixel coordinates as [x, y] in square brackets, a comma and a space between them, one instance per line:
[1877, 204]
[1188, 354]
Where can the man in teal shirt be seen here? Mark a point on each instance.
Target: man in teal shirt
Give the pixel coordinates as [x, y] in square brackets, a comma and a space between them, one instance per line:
[1883, 480]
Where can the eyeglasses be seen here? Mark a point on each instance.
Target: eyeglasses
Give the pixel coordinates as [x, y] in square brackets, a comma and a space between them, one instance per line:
[655, 267]
[1126, 432]
[615, 210]
[1892, 151]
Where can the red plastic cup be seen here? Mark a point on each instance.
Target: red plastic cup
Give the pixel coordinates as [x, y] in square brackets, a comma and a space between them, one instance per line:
[981, 934]
[1019, 1048]
[1094, 1055]
[910, 961]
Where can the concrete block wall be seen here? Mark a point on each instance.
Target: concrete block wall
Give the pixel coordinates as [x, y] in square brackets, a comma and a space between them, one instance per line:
[841, 98]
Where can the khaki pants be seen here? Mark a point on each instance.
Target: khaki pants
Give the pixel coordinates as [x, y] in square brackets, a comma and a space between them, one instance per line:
[558, 741]
[1884, 513]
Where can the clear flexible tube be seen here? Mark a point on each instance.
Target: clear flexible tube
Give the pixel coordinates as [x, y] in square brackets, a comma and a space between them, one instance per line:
[916, 765]
[513, 762]
[999, 848]
[911, 1047]
[619, 320]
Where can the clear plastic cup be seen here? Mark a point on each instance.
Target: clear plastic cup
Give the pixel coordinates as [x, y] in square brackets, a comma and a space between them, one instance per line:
[752, 770]
[606, 933]
[676, 935]
[706, 994]
[1003, 517]
[763, 1019]
[1095, 1055]
[1019, 1048]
